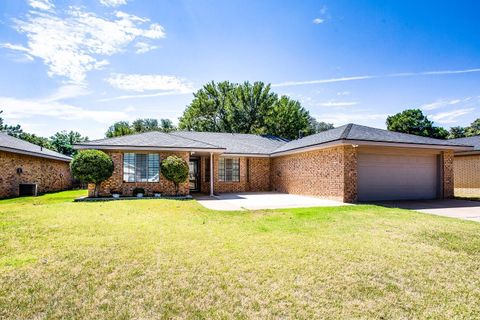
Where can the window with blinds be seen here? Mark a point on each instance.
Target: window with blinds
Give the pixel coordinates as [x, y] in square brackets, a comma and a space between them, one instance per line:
[140, 167]
[229, 169]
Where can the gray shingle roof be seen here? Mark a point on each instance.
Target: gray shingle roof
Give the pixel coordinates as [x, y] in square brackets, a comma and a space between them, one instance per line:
[236, 143]
[15, 145]
[363, 133]
[471, 141]
[153, 139]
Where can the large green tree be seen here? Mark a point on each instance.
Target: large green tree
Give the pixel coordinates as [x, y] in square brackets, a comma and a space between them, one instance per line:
[122, 128]
[456, 132]
[63, 141]
[413, 121]
[473, 129]
[288, 119]
[245, 108]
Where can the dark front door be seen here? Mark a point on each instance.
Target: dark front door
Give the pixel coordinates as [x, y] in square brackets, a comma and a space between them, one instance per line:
[194, 176]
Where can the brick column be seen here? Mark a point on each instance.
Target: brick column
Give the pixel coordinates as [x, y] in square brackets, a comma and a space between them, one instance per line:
[447, 174]
[350, 173]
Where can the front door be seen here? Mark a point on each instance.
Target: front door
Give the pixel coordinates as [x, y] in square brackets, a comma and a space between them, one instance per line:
[194, 177]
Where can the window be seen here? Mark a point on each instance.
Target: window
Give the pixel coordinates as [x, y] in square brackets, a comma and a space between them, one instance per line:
[229, 169]
[139, 167]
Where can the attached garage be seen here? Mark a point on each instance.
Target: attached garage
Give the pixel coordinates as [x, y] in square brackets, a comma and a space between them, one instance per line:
[398, 176]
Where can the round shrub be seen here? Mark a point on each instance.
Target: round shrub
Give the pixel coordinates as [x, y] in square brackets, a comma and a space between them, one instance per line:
[92, 166]
[175, 169]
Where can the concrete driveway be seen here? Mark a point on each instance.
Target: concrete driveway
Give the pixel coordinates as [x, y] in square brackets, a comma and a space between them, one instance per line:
[461, 209]
[262, 200]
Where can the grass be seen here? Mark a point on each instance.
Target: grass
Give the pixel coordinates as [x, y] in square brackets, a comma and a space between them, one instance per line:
[174, 259]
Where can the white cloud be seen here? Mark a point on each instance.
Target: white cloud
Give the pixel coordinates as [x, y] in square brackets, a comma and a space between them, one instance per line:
[343, 93]
[113, 3]
[443, 103]
[359, 117]
[72, 43]
[338, 103]
[67, 92]
[331, 80]
[318, 21]
[41, 4]
[450, 116]
[148, 95]
[143, 47]
[20, 109]
[366, 77]
[149, 82]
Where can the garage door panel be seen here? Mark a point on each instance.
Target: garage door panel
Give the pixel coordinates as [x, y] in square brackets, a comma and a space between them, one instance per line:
[397, 176]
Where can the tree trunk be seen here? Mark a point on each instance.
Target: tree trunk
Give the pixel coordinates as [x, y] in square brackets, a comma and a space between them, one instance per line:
[176, 189]
[95, 190]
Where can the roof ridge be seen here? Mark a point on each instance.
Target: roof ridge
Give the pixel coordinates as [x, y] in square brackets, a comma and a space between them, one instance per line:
[346, 131]
[172, 133]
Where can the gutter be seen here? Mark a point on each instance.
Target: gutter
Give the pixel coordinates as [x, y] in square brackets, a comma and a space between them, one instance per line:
[35, 154]
[332, 143]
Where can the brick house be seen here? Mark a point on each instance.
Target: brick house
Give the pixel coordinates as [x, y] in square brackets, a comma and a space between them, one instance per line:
[467, 168]
[349, 163]
[27, 169]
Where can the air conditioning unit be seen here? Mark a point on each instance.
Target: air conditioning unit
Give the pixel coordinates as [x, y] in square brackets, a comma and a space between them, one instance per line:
[28, 189]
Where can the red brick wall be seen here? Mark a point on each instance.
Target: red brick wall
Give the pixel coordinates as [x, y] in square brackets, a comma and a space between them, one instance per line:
[254, 179]
[448, 180]
[467, 175]
[330, 173]
[116, 183]
[49, 175]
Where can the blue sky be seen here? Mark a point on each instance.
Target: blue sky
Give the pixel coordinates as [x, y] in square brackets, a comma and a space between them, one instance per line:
[82, 65]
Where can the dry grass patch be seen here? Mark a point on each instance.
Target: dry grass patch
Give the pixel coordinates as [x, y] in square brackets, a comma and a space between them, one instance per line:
[174, 259]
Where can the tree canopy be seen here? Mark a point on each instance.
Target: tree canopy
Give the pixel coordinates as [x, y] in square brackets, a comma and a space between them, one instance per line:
[247, 108]
[122, 128]
[413, 121]
[92, 166]
[63, 141]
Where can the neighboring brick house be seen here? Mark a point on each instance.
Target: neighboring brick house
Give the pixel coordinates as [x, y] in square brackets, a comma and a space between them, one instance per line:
[350, 163]
[467, 168]
[26, 168]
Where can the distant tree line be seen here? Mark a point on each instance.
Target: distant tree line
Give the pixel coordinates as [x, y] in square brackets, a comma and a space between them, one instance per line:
[122, 128]
[61, 141]
[413, 121]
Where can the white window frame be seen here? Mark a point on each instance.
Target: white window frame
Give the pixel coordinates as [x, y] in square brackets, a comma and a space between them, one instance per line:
[150, 172]
[226, 174]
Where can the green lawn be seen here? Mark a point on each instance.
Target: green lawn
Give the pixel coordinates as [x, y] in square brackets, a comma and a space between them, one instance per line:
[174, 259]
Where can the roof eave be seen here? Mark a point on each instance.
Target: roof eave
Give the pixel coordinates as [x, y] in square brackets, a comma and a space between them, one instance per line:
[35, 154]
[146, 148]
[370, 143]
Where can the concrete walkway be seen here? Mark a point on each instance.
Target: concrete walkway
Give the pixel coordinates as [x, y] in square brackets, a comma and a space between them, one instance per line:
[262, 200]
[461, 209]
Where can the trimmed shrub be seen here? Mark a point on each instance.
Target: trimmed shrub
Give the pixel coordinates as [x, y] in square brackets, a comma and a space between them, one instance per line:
[175, 169]
[92, 166]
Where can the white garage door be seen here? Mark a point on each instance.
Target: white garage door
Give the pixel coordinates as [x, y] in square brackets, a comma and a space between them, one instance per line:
[397, 177]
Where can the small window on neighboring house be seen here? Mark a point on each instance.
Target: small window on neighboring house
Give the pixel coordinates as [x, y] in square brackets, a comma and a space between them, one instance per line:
[229, 169]
[248, 170]
[140, 167]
